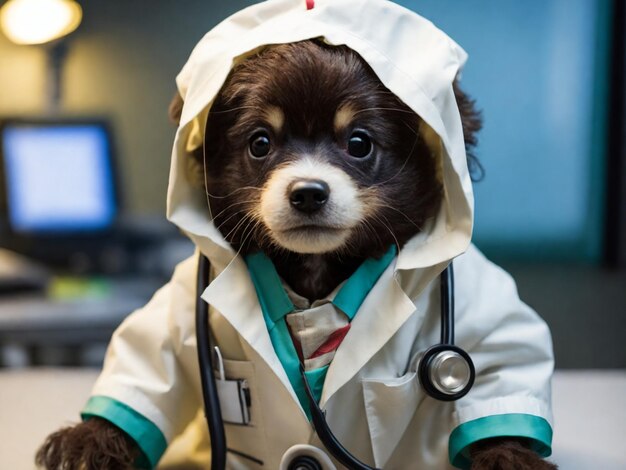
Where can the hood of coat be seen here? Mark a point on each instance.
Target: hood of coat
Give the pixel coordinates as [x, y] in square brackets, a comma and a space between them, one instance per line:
[413, 59]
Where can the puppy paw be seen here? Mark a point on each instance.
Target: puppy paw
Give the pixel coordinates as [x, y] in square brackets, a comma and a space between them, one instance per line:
[501, 454]
[94, 444]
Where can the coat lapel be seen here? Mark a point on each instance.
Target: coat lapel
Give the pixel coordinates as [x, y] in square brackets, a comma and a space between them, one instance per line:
[387, 307]
[232, 293]
[382, 312]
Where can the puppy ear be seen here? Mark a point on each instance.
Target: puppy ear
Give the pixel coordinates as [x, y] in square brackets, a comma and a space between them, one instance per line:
[175, 109]
[472, 122]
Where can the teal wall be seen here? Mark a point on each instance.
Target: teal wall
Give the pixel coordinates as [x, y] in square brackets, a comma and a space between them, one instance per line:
[538, 70]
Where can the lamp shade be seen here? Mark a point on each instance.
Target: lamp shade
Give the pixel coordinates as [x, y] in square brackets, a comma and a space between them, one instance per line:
[39, 21]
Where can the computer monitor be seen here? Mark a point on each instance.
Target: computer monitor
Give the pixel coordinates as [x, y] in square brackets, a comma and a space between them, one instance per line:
[57, 178]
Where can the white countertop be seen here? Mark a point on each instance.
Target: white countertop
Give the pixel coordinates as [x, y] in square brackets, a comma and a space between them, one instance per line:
[589, 409]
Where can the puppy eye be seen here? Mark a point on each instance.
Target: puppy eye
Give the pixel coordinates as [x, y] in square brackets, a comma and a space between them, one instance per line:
[359, 144]
[259, 145]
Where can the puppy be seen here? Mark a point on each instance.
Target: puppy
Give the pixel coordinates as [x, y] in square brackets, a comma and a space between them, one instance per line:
[345, 151]
[318, 165]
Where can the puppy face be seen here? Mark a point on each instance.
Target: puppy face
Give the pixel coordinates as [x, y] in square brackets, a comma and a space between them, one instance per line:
[307, 151]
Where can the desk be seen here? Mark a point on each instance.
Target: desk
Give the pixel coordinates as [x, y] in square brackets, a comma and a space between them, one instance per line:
[32, 322]
[589, 411]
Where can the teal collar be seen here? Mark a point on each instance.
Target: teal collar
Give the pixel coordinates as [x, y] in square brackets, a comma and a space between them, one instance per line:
[275, 302]
[353, 292]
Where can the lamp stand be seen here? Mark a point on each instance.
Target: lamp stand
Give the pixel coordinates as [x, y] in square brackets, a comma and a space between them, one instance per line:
[56, 55]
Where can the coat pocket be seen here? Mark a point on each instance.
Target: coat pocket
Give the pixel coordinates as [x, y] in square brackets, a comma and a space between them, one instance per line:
[389, 406]
[246, 442]
[235, 391]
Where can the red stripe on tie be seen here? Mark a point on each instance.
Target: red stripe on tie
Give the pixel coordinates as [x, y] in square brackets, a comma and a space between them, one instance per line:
[332, 343]
[310, 4]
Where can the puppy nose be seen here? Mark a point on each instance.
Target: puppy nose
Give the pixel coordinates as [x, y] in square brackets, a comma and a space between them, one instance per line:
[308, 196]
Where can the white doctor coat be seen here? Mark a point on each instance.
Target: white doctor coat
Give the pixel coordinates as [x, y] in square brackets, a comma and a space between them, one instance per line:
[150, 383]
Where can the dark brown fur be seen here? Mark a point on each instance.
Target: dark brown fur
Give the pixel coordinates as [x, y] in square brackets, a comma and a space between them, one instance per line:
[472, 122]
[314, 81]
[94, 444]
[307, 81]
[506, 454]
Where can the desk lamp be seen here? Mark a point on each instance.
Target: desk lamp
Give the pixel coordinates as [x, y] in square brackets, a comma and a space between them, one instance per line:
[34, 22]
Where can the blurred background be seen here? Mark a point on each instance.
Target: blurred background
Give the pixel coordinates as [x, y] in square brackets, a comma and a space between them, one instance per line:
[83, 237]
[551, 208]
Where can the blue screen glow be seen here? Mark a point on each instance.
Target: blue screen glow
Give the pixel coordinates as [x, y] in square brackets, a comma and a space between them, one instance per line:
[58, 177]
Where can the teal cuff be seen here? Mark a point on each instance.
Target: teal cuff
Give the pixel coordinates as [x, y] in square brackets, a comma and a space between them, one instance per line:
[144, 432]
[534, 428]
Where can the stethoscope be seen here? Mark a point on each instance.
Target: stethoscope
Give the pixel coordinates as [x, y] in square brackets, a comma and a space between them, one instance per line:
[445, 371]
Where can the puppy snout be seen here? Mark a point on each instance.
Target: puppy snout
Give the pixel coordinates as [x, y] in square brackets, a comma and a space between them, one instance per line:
[308, 196]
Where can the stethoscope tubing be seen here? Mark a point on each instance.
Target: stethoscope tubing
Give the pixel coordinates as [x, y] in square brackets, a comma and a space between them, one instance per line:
[212, 409]
[326, 435]
[447, 305]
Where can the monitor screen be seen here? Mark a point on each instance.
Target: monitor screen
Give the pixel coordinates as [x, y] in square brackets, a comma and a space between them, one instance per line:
[58, 177]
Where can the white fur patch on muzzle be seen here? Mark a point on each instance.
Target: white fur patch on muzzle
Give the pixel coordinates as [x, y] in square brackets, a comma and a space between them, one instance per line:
[324, 228]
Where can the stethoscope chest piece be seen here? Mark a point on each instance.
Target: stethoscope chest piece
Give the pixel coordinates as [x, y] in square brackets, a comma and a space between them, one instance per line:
[446, 372]
[306, 457]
